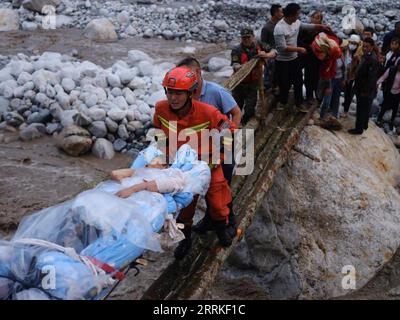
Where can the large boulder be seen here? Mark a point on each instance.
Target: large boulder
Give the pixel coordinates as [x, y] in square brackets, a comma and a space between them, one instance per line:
[135, 56]
[333, 209]
[19, 66]
[29, 26]
[17, 3]
[43, 77]
[63, 21]
[42, 116]
[146, 68]
[37, 5]
[74, 140]
[103, 149]
[116, 114]
[5, 75]
[98, 129]
[391, 14]
[221, 25]
[123, 17]
[101, 30]
[216, 64]
[33, 131]
[82, 119]
[225, 72]
[9, 20]
[127, 76]
[4, 105]
[49, 61]
[97, 114]
[155, 97]
[13, 119]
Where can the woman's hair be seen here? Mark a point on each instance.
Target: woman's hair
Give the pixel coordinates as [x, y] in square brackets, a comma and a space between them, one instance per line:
[369, 29]
[315, 12]
[370, 41]
[395, 39]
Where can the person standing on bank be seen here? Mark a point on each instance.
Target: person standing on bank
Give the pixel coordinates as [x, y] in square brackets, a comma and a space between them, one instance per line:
[268, 41]
[391, 93]
[288, 66]
[338, 84]
[365, 85]
[246, 92]
[352, 57]
[389, 37]
[310, 62]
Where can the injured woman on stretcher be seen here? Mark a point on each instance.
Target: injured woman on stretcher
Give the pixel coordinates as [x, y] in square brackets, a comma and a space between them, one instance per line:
[75, 250]
[172, 180]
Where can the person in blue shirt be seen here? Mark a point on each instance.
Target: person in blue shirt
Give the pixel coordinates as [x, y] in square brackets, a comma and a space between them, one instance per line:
[213, 94]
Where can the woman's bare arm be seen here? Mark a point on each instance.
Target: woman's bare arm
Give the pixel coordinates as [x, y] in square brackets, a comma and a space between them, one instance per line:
[120, 174]
[148, 185]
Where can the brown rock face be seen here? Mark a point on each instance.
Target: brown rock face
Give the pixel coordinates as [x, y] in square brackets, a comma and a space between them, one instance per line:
[74, 140]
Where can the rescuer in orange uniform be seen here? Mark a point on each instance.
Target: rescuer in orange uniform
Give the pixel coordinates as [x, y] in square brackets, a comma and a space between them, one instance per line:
[180, 115]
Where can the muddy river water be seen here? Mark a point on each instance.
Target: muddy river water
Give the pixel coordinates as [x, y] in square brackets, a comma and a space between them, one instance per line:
[104, 54]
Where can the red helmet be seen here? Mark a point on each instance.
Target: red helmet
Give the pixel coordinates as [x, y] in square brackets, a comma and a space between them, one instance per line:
[181, 78]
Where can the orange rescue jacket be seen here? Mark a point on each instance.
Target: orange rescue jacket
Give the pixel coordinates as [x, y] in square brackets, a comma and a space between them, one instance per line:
[201, 116]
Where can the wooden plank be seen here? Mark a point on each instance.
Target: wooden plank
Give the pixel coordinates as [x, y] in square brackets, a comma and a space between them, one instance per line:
[248, 203]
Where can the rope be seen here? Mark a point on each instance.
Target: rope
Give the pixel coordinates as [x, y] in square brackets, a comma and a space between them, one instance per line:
[70, 252]
[241, 74]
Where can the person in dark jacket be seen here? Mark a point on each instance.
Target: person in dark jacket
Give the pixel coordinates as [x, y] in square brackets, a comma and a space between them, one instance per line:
[389, 36]
[268, 41]
[267, 32]
[392, 57]
[391, 93]
[310, 62]
[365, 85]
[245, 94]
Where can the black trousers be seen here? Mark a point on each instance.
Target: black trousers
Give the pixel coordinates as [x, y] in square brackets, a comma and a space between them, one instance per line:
[348, 95]
[311, 75]
[289, 73]
[390, 101]
[245, 94]
[364, 105]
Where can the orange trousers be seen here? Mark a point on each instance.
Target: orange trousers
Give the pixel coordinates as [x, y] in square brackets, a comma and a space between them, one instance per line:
[218, 197]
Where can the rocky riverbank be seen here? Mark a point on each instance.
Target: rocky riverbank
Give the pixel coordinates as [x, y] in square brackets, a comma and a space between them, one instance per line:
[111, 102]
[208, 21]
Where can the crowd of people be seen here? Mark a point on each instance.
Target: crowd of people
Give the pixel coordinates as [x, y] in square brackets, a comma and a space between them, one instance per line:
[356, 66]
[295, 54]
